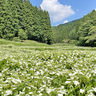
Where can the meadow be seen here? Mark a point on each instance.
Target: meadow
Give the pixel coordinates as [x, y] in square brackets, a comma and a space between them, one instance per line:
[30, 68]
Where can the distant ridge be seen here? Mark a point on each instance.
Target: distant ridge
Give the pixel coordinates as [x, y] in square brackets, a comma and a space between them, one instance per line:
[70, 30]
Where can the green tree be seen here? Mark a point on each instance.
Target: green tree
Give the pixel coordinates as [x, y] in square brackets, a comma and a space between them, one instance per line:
[8, 32]
[83, 32]
[22, 35]
[94, 21]
[20, 17]
[2, 12]
[15, 22]
[91, 38]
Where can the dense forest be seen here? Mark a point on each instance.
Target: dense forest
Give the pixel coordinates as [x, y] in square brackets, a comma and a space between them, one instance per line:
[19, 19]
[82, 30]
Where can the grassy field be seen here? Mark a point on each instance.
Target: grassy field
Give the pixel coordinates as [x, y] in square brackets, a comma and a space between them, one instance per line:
[30, 68]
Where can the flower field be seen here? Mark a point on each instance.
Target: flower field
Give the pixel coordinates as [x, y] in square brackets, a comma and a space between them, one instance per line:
[47, 71]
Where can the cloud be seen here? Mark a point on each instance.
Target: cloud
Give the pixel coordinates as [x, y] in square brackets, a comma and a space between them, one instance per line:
[57, 11]
[66, 21]
[56, 25]
[95, 9]
[77, 9]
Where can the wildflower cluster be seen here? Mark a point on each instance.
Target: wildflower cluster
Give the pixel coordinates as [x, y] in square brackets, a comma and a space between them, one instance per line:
[27, 72]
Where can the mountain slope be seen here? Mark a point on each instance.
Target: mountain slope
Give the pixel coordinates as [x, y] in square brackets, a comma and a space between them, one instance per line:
[65, 31]
[18, 18]
[70, 29]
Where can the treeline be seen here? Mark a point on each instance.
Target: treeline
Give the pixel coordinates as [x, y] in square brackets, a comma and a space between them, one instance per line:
[20, 19]
[82, 30]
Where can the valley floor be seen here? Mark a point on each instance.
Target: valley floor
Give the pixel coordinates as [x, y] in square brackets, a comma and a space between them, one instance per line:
[30, 68]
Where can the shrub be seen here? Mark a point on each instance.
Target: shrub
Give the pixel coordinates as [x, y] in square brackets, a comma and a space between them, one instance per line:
[72, 41]
[16, 39]
[66, 41]
[22, 34]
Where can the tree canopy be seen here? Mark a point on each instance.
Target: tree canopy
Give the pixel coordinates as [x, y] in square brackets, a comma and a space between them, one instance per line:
[20, 16]
[82, 30]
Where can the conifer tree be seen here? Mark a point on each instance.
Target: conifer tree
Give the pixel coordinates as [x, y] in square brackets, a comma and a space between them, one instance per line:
[8, 22]
[2, 13]
[20, 15]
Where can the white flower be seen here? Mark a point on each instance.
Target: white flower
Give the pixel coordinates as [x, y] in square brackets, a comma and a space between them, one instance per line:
[0, 88]
[19, 80]
[0, 74]
[5, 70]
[49, 90]
[60, 94]
[91, 94]
[62, 91]
[94, 89]
[62, 87]
[42, 72]
[8, 92]
[67, 82]
[41, 89]
[72, 78]
[13, 88]
[30, 92]
[27, 95]
[29, 87]
[82, 90]
[40, 94]
[70, 74]
[22, 92]
[37, 73]
[16, 80]
[76, 83]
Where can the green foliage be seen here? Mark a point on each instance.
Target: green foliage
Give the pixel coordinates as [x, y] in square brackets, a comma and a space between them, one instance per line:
[19, 16]
[77, 30]
[72, 34]
[94, 21]
[92, 30]
[83, 32]
[2, 64]
[91, 38]
[60, 72]
[16, 39]
[66, 41]
[84, 28]
[66, 31]
[26, 43]
[72, 41]
[22, 34]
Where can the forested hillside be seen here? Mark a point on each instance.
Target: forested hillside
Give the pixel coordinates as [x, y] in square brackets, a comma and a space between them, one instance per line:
[64, 31]
[83, 30]
[19, 19]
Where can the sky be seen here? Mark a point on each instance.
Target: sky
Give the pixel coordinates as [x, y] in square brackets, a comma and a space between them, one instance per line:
[63, 11]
